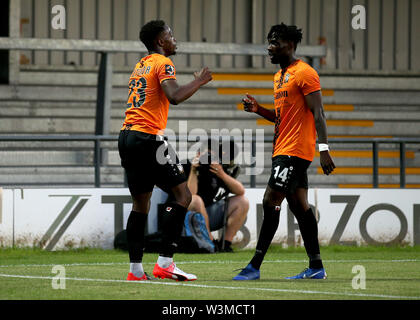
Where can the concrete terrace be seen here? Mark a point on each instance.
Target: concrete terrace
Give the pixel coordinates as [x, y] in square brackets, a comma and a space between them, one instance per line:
[62, 101]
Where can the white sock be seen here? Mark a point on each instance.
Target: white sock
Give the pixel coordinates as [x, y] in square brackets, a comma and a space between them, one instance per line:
[137, 269]
[164, 262]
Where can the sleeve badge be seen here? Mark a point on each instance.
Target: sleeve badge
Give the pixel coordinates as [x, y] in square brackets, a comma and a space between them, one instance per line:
[169, 70]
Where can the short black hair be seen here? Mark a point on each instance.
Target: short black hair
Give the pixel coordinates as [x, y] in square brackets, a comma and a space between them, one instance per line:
[286, 33]
[150, 31]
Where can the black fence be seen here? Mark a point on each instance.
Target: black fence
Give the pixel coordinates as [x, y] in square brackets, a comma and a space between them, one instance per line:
[98, 139]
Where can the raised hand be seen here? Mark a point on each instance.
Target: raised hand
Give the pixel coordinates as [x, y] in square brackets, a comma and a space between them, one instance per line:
[204, 75]
[250, 104]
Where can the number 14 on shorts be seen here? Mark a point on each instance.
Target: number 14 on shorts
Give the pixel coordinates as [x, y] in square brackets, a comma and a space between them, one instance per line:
[282, 175]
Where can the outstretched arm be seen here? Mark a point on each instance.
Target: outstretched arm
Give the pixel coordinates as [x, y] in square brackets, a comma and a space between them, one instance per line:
[314, 102]
[251, 105]
[177, 94]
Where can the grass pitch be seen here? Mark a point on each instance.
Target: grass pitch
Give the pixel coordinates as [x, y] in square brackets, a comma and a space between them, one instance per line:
[91, 274]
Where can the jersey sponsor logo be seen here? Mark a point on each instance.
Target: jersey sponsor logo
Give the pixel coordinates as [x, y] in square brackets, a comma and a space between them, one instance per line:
[169, 70]
[281, 94]
[168, 209]
[286, 79]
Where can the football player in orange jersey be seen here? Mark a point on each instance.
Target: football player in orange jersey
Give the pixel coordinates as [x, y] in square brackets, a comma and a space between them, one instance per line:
[298, 117]
[152, 87]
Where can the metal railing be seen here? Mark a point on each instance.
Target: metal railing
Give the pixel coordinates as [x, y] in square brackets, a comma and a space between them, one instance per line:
[98, 139]
[402, 142]
[313, 52]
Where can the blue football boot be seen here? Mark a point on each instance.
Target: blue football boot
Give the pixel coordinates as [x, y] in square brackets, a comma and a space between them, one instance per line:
[309, 273]
[248, 273]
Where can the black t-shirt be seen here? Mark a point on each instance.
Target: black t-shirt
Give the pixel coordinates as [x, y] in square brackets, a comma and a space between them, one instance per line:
[210, 188]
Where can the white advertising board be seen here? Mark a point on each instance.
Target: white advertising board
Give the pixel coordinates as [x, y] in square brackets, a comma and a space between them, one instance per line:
[65, 218]
[345, 216]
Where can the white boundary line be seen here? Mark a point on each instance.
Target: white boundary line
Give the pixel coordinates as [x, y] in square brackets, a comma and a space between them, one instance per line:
[208, 262]
[347, 294]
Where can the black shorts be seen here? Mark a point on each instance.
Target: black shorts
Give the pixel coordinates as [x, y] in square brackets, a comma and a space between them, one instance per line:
[216, 213]
[288, 173]
[149, 160]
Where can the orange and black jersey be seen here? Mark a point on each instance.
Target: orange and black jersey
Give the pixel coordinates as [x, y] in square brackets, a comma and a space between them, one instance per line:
[295, 133]
[147, 104]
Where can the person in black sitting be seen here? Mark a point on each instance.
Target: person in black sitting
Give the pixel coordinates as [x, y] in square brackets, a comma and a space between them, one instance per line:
[211, 178]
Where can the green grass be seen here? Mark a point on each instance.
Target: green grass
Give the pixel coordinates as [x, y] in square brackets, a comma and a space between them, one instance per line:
[391, 273]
